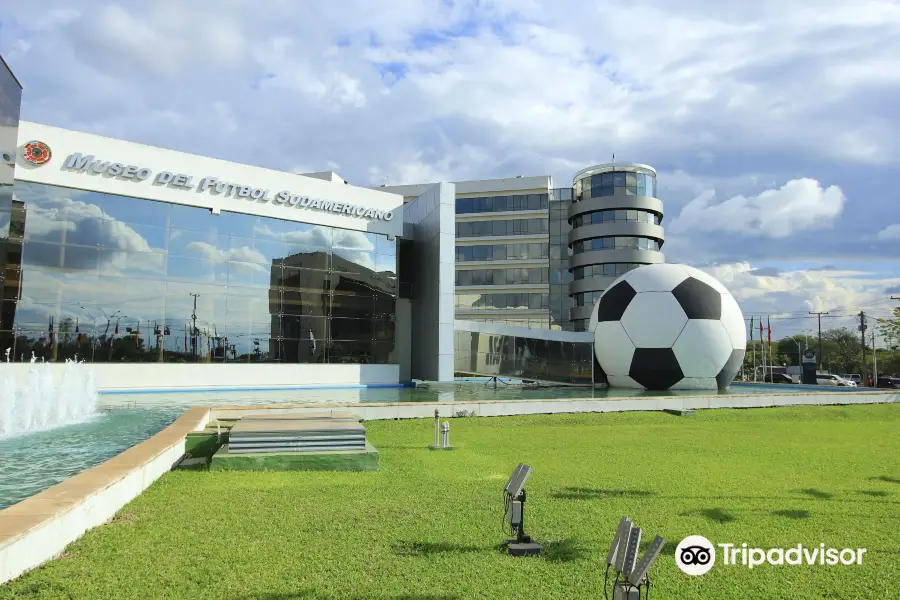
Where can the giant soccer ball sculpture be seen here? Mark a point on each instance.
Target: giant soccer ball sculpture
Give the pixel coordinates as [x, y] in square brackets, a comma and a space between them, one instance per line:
[667, 326]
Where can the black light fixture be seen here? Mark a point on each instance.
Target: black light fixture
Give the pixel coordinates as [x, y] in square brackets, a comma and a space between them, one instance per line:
[514, 514]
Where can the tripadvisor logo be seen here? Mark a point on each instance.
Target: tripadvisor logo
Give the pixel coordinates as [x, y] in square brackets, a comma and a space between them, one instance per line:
[696, 555]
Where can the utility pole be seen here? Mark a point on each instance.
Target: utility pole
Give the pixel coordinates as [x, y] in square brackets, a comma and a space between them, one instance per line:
[820, 313]
[874, 361]
[862, 331]
[194, 326]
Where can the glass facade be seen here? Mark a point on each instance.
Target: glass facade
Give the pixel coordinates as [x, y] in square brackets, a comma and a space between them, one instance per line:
[587, 298]
[528, 358]
[11, 213]
[500, 300]
[611, 216]
[615, 183]
[560, 276]
[488, 252]
[621, 242]
[505, 227]
[119, 279]
[535, 275]
[603, 270]
[502, 203]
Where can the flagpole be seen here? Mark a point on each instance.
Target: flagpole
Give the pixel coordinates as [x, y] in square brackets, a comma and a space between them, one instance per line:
[753, 348]
[762, 345]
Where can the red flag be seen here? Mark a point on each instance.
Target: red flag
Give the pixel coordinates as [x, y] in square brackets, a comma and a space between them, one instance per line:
[116, 332]
[760, 329]
[770, 332]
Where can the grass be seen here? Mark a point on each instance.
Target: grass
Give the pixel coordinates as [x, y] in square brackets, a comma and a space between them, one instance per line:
[427, 525]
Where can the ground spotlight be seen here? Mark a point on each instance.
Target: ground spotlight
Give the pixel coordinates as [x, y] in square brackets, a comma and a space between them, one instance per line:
[514, 514]
[631, 573]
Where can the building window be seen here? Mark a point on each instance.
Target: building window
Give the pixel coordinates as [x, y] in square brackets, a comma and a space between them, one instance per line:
[625, 183]
[502, 203]
[528, 276]
[587, 298]
[503, 301]
[502, 227]
[615, 243]
[610, 216]
[118, 281]
[603, 270]
[492, 252]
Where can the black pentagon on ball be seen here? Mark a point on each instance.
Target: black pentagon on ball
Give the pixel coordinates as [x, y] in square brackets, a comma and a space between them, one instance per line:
[655, 368]
[731, 368]
[698, 300]
[614, 301]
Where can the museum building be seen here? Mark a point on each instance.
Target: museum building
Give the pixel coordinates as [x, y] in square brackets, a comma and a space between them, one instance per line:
[170, 270]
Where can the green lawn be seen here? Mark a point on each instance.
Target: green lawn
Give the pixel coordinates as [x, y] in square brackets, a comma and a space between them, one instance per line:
[427, 525]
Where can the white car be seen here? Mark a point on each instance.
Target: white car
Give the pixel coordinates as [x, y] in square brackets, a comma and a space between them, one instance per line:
[830, 379]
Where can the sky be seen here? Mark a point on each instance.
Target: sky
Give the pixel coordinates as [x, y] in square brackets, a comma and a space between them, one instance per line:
[774, 127]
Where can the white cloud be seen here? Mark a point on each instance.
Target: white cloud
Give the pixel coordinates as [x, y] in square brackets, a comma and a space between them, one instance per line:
[891, 232]
[794, 293]
[798, 205]
[716, 95]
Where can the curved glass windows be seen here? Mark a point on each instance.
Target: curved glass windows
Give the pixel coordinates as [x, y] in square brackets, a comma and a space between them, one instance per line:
[614, 183]
[604, 270]
[610, 216]
[621, 242]
[587, 298]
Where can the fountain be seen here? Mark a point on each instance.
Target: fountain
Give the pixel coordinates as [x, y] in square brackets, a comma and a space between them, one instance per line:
[42, 404]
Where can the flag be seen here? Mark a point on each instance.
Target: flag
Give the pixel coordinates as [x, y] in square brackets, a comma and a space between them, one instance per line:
[50, 330]
[116, 332]
[77, 333]
[761, 331]
[751, 330]
[770, 332]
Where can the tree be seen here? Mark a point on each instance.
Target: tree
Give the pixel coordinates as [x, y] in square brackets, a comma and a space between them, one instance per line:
[889, 329]
[843, 350]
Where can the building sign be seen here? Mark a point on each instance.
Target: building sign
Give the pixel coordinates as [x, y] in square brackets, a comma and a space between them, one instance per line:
[37, 153]
[216, 187]
[809, 357]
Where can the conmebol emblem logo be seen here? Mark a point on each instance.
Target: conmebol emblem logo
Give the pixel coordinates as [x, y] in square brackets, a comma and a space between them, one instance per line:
[37, 153]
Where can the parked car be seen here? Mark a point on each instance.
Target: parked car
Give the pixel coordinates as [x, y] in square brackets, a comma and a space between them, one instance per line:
[889, 382]
[778, 378]
[854, 377]
[831, 379]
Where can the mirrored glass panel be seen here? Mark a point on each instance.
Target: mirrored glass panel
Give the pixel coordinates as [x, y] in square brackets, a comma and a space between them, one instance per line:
[112, 278]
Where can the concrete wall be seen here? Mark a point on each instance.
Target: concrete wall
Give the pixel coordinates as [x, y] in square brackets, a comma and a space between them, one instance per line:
[148, 376]
[433, 214]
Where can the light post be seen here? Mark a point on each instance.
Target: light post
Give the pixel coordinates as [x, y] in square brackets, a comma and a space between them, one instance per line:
[93, 330]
